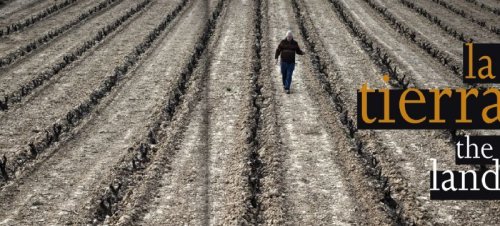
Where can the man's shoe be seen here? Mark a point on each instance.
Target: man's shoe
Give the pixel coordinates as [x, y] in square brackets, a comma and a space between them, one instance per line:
[287, 91]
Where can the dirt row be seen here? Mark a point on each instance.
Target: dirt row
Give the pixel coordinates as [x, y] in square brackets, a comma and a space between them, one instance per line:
[29, 46]
[35, 18]
[309, 197]
[490, 5]
[56, 186]
[411, 31]
[416, 30]
[201, 170]
[57, 100]
[428, 30]
[473, 13]
[413, 61]
[399, 161]
[21, 38]
[460, 24]
[218, 166]
[181, 99]
[37, 69]
[18, 10]
[36, 123]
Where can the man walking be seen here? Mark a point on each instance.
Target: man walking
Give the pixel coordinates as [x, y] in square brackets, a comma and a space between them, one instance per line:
[287, 49]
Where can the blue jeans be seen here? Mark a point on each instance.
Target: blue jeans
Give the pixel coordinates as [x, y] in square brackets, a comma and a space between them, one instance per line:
[286, 73]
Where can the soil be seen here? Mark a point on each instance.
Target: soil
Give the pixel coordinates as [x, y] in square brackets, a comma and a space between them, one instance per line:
[178, 116]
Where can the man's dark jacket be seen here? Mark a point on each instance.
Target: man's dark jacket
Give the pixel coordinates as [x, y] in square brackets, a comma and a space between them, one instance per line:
[287, 49]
